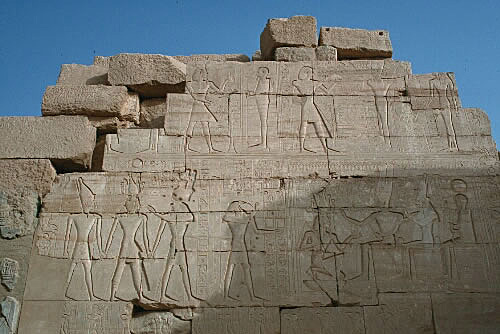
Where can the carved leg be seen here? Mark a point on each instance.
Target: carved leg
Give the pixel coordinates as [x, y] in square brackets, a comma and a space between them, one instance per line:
[117, 276]
[87, 266]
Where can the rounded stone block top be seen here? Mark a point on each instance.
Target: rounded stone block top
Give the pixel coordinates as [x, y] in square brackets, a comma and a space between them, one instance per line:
[357, 43]
[293, 31]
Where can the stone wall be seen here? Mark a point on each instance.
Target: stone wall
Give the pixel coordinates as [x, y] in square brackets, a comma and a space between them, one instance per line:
[320, 188]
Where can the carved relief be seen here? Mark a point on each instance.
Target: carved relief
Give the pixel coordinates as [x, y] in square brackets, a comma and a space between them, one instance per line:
[9, 271]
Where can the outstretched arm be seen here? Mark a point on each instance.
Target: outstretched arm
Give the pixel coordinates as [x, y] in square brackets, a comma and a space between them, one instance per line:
[110, 237]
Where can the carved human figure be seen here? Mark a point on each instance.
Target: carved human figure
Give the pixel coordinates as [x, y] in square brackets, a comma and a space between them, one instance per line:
[443, 88]
[83, 224]
[261, 93]
[462, 227]
[309, 113]
[311, 241]
[380, 89]
[238, 216]
[198, 88]
[178, 218]
[131, 252]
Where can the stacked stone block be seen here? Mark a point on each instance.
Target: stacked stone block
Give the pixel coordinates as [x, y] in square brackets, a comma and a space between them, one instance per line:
[320, 187]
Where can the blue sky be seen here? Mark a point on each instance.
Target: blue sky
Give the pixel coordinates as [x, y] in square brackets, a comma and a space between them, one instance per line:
[435, 36]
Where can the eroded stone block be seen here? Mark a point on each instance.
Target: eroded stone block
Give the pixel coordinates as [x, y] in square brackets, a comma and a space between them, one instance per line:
[294, 54]
[293, 31]
[159, 322]
[9, 272]
[76, 75]
[68, 141]
[326, 53]
[323, 320]
[357, 43]
[9, 315]
[151, 75]
[98, 100]
[26, 175]
[213, 57]
[153, 113]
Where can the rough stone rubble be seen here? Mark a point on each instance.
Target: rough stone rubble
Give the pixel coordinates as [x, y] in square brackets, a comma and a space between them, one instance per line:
[320, 188]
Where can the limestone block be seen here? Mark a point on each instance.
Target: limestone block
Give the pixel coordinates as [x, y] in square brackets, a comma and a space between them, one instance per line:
[400, 313]
[326, 53]
[153, 113]
[101, 61]
[25, 175]
[67, 140]
[287, 53]
[151, 75]
[357, 43]
[73, 317]
[241, 320]
[466, 313]
[327, 320]
[293, 31]
[9, 315]
[162, 322]
[76, 75]
[212, 57]
[98, 100]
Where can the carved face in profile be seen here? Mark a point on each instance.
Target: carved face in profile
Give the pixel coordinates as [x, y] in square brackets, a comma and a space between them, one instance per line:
[305, 73]
[199, 74]
[262, 73]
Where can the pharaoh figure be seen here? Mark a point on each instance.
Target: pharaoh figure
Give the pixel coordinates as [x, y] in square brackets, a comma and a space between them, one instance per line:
[198, 88]
[261, 92]
[178, 218]
[442, 86]
[83, 223]
[309, 113]
[131, 252]
[238, 217]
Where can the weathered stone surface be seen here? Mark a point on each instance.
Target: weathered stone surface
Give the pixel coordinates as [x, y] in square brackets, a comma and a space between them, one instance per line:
[400, 313]
[151, 75]
[106, 125]
[240, 320]
[159, 322]
[326, 53]
[257, 56]
[212, 57]
[9, 315]
[68, 141]
[153, 113]
[327, 320]
[466, 313]
[294, 54]
[357, 43]
[9, 272]
[98, 100]
[101, 61]
[76, 75]
[25, 175]
[75, 317]
[293, 31]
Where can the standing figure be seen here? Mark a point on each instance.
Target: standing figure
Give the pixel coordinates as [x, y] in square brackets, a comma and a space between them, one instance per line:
[380, 89]
[309, 113]
[177, 219]
[238, 216]
[131, 252]
[261, 93]
[83, 223]
[200, 113]
[443, 88]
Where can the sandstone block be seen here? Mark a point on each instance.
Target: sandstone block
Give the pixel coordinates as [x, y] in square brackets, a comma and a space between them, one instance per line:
[27, 174]
[212, 57]
[151, 75]
[67, 140]
[92, 101]
[326, 53]
[76, 74]
[323, 320]
[257, 56]
[294, 54]
[293, 31]
[357, 43]
[101, 61]
[153, 113]
[106, 125]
